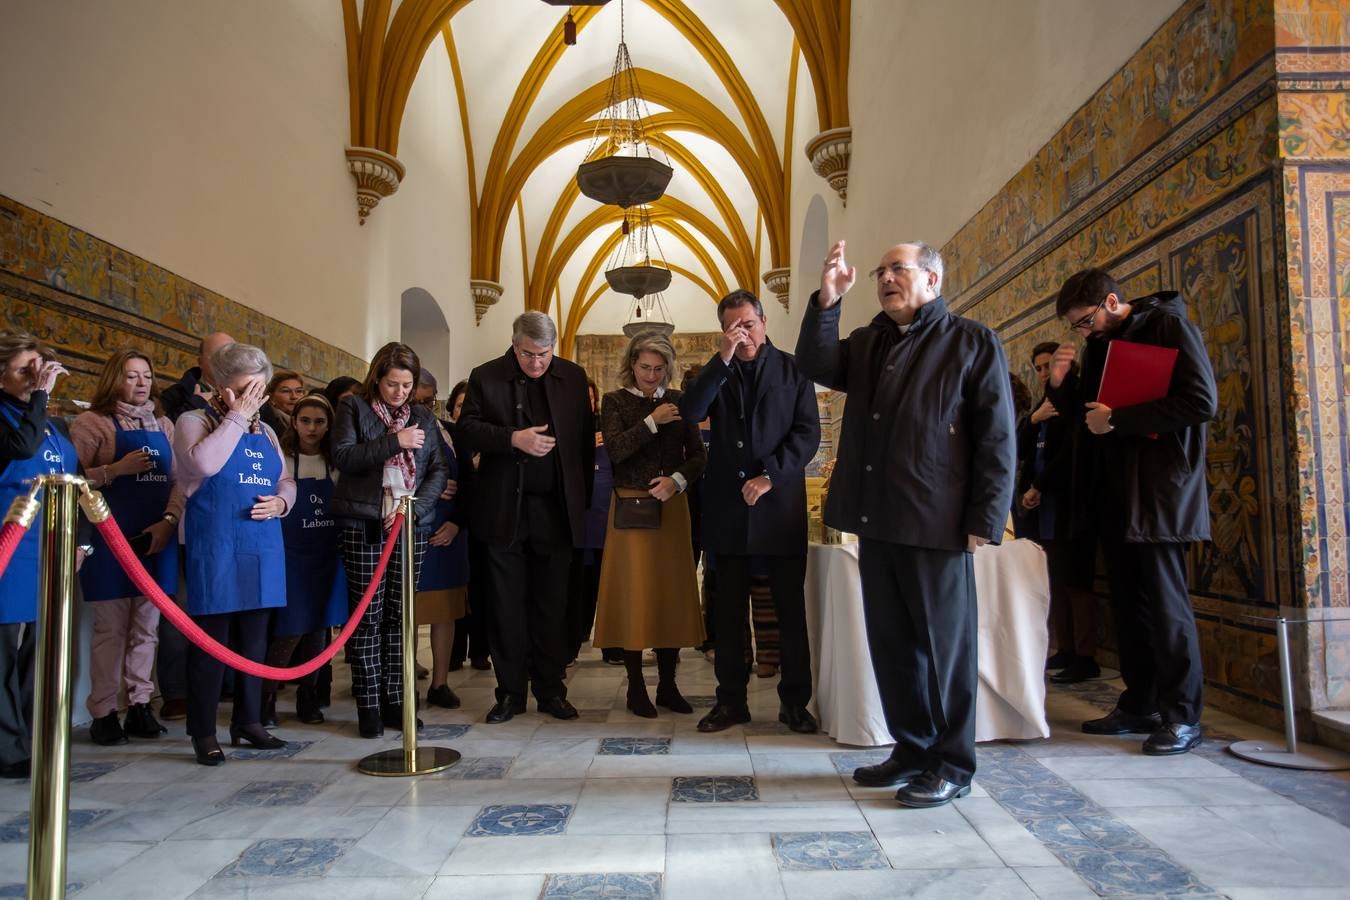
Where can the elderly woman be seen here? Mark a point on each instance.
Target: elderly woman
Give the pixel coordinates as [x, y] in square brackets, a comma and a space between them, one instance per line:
[31, 444]
[283, 390]
[230, 470]
[125, 445]
[386, 448]
[648, 591]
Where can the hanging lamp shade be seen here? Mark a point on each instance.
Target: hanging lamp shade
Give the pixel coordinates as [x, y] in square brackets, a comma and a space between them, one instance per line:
[638, 267]
[620, 169]
[648, 314]
[638, 281]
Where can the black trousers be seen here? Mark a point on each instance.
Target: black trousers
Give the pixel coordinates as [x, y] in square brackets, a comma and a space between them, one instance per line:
[583, 593]
[922, 621]
[246, 634]
[471, 631]
[1155, 629]
[787, 575]
[18, 648]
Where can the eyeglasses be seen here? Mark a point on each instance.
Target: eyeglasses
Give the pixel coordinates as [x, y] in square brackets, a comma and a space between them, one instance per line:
[534, 357]
[1086, 321]
[896, 269]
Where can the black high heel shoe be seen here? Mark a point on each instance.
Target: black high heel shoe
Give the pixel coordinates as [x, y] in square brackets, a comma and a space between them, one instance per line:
[208, 751]
[254, 736]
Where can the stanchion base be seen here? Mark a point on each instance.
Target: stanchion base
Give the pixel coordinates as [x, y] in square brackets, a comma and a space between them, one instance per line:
[397, 762]
[1309, 758]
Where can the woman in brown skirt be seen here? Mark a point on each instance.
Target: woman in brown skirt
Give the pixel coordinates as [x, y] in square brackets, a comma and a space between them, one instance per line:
[648, 591]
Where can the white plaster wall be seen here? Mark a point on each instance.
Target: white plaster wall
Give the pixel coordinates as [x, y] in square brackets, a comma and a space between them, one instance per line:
[205, 137]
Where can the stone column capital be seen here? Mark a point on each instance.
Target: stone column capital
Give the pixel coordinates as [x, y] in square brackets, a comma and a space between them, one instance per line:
[377, 174]
[829, 153]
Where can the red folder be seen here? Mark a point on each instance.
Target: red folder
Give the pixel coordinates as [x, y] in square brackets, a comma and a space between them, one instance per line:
[1135, 373]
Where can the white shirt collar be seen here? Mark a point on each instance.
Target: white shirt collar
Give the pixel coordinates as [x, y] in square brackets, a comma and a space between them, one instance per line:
[660, 392]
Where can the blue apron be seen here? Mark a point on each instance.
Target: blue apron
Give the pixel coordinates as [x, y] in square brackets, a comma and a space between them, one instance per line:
[235, 564]
[445, 567]
[313, 562]
[19, 584]
[137, 502]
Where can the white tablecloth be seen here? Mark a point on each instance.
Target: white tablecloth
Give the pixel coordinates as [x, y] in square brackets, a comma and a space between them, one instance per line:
[1013, 592]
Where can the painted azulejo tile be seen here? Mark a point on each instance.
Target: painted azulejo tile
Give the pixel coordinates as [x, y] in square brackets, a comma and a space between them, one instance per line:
[443, 732]
[611, 885]
[478, 768]
[274, 793]
[288, 856]
[15, 831]
[713, 788]
[634, 746]
[21, 890]
[515, 819]
[81, 772]
[828, 850]
[292, 748]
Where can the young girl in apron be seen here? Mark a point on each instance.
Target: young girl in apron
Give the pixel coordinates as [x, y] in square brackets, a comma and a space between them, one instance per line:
[128, 455]
[316, 589]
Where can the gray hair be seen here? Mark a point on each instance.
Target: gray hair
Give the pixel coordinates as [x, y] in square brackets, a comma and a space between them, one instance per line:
[647, 341]
[233, 360]
[929, 258]
[534, 326]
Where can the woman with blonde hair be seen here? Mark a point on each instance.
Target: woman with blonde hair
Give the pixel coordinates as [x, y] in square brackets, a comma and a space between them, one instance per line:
[648, 590]
[125, 444]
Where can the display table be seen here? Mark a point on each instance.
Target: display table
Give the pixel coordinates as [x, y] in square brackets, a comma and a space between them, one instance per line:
[1013, 592]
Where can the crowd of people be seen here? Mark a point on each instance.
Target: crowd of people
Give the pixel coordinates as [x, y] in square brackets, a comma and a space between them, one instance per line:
[547, 515]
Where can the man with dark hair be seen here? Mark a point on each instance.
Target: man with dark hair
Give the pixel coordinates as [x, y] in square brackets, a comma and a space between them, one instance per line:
[529, 416]
[1139, 482]
[924, 475]
[1045, 459]
[765, 428]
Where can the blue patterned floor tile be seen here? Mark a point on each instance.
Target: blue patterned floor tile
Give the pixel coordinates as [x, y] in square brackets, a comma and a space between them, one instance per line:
[21, 890]
[615, 885]
[1049, 800]
[274, 793]
[1110, 833]
[442, 732]
[634, 746]
[847, 761]
[713, 788]
[288, 856]
[15, 831]
[291, 749]
[83, 772]
[836, 850]
[1133, 873]
[478, 768]
[514, 819]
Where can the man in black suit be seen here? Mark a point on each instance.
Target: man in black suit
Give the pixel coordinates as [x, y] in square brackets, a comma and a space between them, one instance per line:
[529, 416]
[1140, 484]
[765, 429]
[924, 476]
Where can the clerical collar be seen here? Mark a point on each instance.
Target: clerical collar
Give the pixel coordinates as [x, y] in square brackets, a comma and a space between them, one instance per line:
[660, 392]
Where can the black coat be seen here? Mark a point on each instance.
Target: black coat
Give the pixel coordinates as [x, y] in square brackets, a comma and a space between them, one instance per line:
[1056, 479]
[1161, 482]
[182, 396]
[778, 437]
[360, 445]
[494, 410]
[927, 451]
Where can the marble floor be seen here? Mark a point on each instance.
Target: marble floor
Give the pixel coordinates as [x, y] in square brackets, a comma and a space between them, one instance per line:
[617, 806]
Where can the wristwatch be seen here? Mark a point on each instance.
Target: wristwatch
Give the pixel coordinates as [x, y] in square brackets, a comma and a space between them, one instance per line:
[87, 549]
[171, 518]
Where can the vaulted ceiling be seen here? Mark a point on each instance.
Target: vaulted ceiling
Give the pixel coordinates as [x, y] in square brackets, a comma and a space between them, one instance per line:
[720, 79]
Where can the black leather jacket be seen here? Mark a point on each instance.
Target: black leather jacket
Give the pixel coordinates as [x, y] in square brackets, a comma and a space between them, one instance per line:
[360, 447]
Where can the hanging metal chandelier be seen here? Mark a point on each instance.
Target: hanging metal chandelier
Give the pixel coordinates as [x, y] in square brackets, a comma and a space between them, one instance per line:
[648, 314]
[638, 267]
[628, 175]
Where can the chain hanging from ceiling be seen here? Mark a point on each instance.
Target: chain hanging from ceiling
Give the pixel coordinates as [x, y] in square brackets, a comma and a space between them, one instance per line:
[638, 267]
[629, 174]
[649, 313]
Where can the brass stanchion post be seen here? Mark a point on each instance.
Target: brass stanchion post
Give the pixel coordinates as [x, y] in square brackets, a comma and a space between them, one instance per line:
[50, 803]
[411, 760]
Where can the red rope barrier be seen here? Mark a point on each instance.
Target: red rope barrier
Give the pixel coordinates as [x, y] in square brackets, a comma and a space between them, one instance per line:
[131, 564]
[10, 536]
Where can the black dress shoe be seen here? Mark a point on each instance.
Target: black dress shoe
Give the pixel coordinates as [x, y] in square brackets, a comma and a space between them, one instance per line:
[106, 731]
[21, 769]
[1059, 660]
[443, 697]
[1083, 668]
[723, 717]
[208, 751]
[557, 707]
[928, 790]
[141, 722]
[891, 773]
[798, 718]
[1118, 721]
[1171, 739]
[502, 711]
[392, 716]
[369, 723]
[254, 736]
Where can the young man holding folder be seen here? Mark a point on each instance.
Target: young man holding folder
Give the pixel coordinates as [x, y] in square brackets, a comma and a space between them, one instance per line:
[1139, 480]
